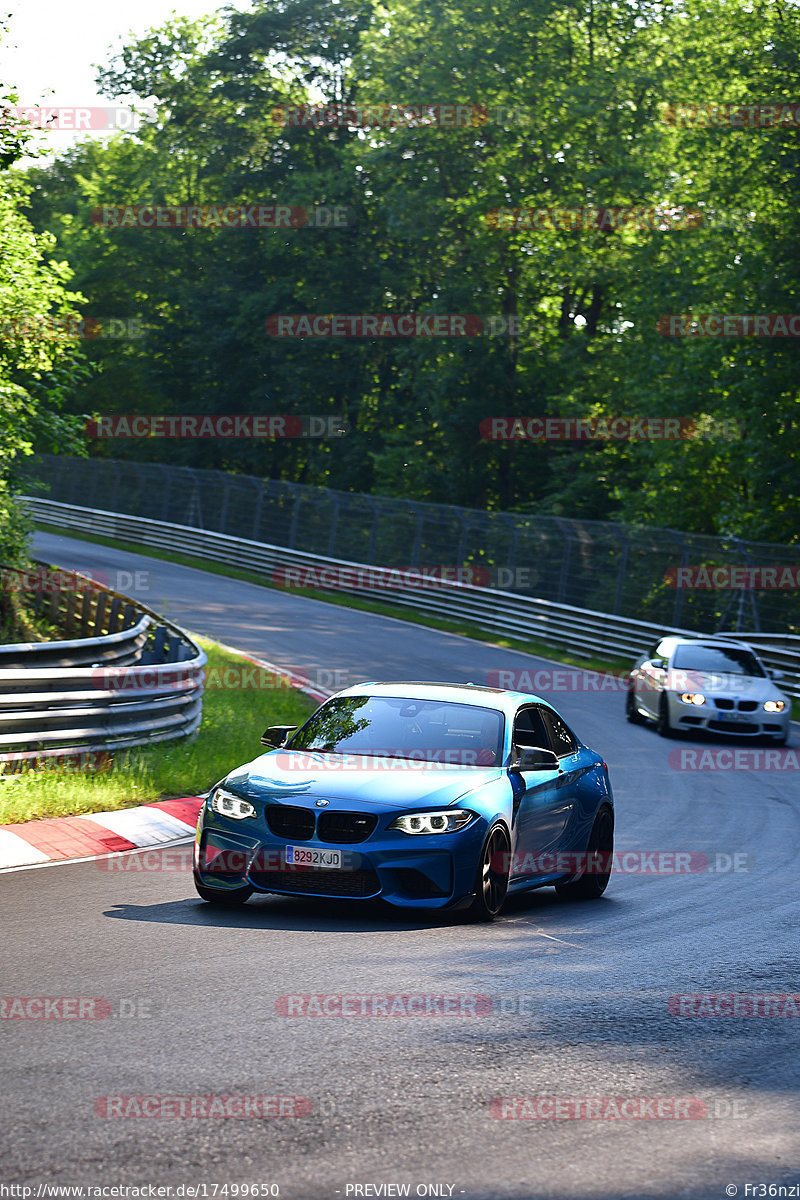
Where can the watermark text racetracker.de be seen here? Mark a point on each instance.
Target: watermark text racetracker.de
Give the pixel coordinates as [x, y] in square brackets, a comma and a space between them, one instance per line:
[76, 1008]
[222, 216]
[558, 679]
[729, 325]
[727, 578]
[624, 862]
[732, 116]
[172, 859]
[244, 676]
[613, 1108]
[255, 1107]
[605, 429]
[432, 577]
[734, 758]
[227, 425]
[397, 1004]
[52, 581]
[73, 117]
[733, 1004]
[604, 217]
[395, 325]
[378, 115]
[538, 681]
[50, 328]
[139, 1191]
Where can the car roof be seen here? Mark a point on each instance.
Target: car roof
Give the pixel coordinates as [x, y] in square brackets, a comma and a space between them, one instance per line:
[713, 642]
[456, 693]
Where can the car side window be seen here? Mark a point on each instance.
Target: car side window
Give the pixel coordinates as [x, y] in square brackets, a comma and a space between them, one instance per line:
[530, 729]
[562, 740]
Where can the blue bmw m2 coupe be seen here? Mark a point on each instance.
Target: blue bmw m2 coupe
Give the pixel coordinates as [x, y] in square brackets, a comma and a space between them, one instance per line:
[425, 795]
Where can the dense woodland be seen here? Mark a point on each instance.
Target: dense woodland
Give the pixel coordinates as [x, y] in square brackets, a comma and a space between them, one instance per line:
[594, 80]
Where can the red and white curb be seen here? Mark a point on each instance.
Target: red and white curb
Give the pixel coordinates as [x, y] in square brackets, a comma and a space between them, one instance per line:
[57, 839]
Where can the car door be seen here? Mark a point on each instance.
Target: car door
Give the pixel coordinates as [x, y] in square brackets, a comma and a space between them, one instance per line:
[542, 804]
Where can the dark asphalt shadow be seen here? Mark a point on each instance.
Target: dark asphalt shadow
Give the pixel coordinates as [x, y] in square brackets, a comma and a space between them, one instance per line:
[368, 916]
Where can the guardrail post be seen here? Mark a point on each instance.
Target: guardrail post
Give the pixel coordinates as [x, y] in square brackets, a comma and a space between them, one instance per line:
[678, 606]
[563, 579]
[334, 525]
[623, 567]
[259, 504]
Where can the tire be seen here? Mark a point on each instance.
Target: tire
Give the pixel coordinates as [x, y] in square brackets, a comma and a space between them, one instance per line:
[221, 898]
[631, 711]
[663, 727]
[591, 885]
[491, 885]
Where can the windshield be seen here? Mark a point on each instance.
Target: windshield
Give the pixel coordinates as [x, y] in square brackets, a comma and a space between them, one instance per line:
[729, 660]
[397, 727]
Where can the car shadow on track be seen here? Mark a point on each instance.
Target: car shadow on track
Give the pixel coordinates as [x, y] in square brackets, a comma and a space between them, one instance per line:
[324, 916]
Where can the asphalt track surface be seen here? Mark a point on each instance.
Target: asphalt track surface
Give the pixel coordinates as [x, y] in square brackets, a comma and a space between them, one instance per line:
[581, 991]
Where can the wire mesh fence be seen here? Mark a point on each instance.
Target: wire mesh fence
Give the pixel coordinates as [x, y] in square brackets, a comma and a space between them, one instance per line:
[699, 582]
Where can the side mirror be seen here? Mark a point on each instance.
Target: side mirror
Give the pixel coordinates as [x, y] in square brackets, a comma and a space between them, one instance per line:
[534, 758]
[277, 735]
[776, 675]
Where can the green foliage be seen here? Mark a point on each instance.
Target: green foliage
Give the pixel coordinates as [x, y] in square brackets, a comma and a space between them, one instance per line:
[594, 77]
[39, 366]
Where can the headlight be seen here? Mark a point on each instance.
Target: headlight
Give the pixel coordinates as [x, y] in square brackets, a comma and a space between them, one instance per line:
[693, 698]
[447, 821]
[231, 806]
[774, 705]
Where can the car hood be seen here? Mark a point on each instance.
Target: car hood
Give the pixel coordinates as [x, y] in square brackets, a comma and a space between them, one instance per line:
[717, 683]
[382, 782]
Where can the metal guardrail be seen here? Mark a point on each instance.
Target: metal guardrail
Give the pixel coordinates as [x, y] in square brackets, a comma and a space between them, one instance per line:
[137, 680]
[520, 616]
[608, 566]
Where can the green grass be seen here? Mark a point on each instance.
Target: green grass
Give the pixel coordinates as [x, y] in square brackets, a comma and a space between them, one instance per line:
[233, 721]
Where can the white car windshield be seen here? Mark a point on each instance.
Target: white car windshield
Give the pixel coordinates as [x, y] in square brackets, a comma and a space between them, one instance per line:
[729, 660]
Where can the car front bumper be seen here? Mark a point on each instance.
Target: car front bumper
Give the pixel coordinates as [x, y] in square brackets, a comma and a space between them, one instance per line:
[415, 871]
[731, 721]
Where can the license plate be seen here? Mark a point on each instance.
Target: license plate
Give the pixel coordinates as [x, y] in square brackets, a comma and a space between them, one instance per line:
[735, 716]
[308, 856]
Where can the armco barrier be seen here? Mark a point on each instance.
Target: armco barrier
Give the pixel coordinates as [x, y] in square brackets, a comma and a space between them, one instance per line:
[524, 617]
[139, 679]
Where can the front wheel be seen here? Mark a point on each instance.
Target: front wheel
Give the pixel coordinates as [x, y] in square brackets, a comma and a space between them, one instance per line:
[663, 727]
[223, 899]
[599, 854]
[631, 710]
[491, 880]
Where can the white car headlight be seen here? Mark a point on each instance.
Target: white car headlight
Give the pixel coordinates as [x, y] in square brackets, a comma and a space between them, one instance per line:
[692, 698]
[447, 821]
[774, 705]
[227, 805]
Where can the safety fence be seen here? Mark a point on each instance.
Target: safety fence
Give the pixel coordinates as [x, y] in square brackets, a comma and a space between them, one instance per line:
[629, 571]
[132, 679]
[527, 618]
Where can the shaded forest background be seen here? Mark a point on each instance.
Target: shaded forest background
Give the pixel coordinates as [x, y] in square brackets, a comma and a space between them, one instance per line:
[594, 78]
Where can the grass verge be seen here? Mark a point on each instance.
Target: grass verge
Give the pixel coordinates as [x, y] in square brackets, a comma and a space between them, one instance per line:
[233, 721]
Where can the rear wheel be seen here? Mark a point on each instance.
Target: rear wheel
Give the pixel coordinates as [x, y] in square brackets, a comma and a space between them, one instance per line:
[223, 899]
[663, 727]
[599, 852]
[491, 881]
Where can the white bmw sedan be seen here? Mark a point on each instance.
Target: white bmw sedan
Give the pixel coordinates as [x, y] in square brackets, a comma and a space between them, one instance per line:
[707, 683]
